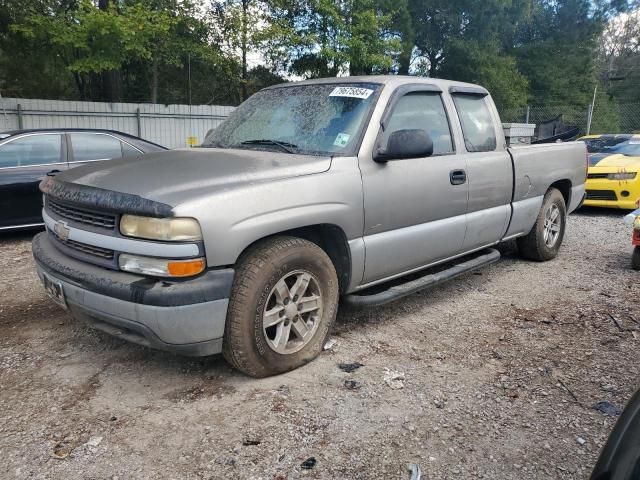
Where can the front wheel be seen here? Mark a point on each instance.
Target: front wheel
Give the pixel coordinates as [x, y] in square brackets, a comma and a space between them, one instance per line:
[282, 307]
[543, 241]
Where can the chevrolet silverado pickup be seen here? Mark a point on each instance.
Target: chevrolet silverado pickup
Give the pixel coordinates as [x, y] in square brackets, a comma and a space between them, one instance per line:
[309, 192]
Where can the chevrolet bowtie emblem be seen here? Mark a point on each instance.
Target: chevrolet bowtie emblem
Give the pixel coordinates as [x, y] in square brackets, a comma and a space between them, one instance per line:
[61, 230]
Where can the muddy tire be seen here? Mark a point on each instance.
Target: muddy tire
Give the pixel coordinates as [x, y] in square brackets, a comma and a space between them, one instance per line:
[545, 238]
[282, 308]
[635, 259]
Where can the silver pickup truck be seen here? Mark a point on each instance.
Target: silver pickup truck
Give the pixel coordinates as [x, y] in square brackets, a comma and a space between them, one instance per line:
[308, 192]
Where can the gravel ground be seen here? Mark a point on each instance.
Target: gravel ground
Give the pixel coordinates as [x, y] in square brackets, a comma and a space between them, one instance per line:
[492, 376]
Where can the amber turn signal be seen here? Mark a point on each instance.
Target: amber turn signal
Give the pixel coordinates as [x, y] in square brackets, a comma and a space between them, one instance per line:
[185, 268]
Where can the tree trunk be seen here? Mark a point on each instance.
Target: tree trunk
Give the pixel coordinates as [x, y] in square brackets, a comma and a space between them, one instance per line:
[111, 90]
[404, 60]
[245, 8]
[81, 84]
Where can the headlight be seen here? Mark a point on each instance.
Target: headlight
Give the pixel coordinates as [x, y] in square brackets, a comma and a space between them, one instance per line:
[167, 229]
[622, 176]
[159, 267]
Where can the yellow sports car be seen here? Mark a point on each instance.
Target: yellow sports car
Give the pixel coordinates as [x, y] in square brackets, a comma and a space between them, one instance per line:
[613, 179]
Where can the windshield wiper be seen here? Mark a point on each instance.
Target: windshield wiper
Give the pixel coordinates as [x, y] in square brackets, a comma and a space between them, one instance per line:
[287, 147]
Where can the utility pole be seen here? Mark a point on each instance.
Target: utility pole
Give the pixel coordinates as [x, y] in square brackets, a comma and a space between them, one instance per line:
[593, 104]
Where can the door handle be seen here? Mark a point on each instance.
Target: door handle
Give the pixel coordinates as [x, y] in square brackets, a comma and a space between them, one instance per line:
[52, 173]
[458, 177]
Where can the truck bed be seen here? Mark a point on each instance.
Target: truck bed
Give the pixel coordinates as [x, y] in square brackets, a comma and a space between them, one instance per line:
[535, 169]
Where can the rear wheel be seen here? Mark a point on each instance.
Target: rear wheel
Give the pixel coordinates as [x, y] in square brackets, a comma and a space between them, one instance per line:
[635, 259]
[282, 307]
[545, 238]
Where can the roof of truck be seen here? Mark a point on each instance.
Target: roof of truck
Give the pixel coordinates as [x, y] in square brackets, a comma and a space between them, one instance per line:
[387, 79]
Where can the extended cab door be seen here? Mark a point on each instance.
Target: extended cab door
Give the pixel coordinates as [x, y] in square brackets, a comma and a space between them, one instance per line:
[489, 169]
[415, 208]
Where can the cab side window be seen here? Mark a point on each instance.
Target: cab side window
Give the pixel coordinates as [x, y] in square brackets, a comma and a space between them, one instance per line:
[31, 150]
[477, 125]
[425, 111]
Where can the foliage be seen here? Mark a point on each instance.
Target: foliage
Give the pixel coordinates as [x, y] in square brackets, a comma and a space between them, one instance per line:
[540, 52]
[319, 38]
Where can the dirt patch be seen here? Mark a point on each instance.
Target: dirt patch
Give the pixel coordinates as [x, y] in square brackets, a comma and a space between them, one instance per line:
[211, 387]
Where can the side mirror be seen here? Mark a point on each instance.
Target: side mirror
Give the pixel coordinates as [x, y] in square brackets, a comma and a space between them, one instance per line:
[408, 143]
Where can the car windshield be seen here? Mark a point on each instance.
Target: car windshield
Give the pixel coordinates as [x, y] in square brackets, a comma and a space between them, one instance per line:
[615, 145]
[321, 119]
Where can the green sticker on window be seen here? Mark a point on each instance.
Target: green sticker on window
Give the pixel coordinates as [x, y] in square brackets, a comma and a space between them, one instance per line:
[342, 139]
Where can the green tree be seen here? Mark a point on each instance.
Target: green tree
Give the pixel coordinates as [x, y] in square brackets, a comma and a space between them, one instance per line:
[555, 51]
[321, 38]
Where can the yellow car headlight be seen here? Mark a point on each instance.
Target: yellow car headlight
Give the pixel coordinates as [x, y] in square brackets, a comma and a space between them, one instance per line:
[622, 176]
[167, 229]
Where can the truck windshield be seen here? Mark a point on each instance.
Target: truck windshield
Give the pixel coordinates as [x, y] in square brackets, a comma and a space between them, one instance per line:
[320, 119]
[629, 146]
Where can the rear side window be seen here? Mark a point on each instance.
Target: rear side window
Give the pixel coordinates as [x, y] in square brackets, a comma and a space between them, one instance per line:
[92, 146]
[31, 150]
[425, 111]
[477, 125]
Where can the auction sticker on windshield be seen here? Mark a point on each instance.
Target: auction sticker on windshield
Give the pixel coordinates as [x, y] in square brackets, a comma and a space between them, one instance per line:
[354, 92]
[342, 139]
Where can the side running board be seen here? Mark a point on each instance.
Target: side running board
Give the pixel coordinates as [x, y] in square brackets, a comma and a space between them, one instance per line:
[397, 291]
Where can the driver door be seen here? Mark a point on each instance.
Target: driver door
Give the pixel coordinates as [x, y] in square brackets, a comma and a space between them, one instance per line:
[415, 209]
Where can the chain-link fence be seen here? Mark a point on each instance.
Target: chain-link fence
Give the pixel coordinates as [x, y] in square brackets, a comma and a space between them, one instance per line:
[606, 118]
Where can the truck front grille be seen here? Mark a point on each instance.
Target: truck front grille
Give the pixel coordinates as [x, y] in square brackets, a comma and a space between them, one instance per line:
[92, 250]
[82, 215]
[602, 195]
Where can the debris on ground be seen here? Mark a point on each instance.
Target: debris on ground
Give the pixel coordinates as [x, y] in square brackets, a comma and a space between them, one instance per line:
[309, 463]
[350, 367]
[330, 344]
[351, 385]
[416, 474]
[439, 403]
[394, 379]
[248, 442]
[616, 322]
[581, 440]
[608, 408]
[569, 391]
[92, 444]
[61, 450]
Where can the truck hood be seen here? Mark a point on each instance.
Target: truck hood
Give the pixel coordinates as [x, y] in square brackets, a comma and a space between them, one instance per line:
[177, 176]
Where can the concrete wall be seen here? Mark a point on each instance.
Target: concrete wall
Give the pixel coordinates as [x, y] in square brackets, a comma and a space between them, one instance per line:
[168, 125]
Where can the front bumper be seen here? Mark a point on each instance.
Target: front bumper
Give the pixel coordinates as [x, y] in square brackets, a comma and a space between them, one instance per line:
[602, 192]
[185, 317]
